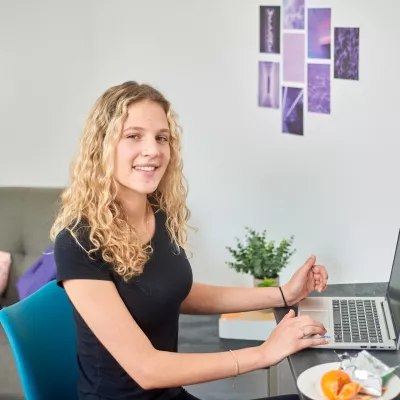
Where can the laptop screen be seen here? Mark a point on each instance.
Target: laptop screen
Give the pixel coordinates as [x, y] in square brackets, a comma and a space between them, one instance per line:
[393, 293]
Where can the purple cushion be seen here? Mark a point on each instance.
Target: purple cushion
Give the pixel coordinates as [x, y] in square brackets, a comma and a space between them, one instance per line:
[41, 272]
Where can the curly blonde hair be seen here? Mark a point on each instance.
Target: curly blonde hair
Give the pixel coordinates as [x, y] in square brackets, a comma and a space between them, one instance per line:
[91, 196]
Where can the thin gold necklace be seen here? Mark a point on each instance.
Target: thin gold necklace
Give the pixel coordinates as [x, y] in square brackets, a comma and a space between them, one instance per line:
[146, 222]
[145, 231]
[147, 217]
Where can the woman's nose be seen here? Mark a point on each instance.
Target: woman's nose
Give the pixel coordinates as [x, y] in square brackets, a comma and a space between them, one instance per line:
[150, 147]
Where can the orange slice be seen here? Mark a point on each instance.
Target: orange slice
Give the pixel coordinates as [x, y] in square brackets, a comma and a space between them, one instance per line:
[332, 383]
[349, 391]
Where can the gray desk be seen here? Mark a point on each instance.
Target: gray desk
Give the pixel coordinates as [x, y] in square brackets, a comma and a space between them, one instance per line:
[308, 358]
[199, 334]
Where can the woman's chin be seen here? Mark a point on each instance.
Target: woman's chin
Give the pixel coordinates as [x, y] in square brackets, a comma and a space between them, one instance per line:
[145, 189]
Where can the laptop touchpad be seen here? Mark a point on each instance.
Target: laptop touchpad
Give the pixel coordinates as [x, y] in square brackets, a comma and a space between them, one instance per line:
[320, 316]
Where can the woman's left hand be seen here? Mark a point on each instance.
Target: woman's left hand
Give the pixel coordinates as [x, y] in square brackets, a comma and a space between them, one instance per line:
[306, 279]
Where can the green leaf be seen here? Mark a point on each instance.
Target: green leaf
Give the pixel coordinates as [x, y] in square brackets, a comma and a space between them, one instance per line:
[259, 257]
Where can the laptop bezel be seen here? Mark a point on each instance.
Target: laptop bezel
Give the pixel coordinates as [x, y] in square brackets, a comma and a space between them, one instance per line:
[387, 297]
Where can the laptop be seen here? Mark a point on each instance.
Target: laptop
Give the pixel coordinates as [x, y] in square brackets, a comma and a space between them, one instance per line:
[360, 322]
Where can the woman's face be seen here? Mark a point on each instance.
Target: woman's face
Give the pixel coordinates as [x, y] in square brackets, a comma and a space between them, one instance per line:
[143, 151]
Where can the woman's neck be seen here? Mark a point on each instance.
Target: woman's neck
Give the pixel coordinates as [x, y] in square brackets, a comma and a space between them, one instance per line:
[135, 206]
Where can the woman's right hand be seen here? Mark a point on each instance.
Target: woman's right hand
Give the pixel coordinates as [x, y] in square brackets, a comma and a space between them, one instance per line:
[291, 336]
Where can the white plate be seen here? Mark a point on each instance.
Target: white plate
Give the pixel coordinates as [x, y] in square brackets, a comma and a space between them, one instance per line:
[309, 382]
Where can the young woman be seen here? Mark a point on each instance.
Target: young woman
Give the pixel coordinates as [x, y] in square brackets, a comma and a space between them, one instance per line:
[120, 253]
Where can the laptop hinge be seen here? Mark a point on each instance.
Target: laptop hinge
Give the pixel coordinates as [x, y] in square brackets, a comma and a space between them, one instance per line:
[389, 324]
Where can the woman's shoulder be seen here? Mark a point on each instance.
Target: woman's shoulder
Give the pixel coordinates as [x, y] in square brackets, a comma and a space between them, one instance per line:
[73, 257]
[74, 240]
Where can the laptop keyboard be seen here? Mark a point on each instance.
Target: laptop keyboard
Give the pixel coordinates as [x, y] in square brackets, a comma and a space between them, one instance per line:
[356, 321]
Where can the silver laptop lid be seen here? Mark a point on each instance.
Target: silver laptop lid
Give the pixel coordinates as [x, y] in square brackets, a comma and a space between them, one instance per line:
[393, 292]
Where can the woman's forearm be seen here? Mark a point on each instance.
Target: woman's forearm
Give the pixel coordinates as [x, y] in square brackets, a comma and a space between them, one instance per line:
[209, 299]
[166, 369]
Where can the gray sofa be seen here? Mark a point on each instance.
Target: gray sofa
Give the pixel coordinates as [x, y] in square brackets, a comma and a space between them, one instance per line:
[26, 216]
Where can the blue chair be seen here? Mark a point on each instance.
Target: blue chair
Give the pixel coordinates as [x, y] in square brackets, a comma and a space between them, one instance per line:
[42, 337]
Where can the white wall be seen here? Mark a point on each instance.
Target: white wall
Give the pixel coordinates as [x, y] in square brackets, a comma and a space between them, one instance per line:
[336, 189]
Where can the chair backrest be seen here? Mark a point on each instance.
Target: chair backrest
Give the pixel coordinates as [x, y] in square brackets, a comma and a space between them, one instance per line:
[42, 337]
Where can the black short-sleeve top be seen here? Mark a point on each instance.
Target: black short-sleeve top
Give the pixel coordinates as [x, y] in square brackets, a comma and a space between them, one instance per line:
[153, 299]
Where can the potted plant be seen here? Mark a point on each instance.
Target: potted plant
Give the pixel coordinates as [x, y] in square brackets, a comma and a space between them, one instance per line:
[262, 259]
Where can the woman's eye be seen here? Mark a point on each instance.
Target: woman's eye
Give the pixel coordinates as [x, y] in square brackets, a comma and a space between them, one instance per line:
[162, 139]
[133, 137]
